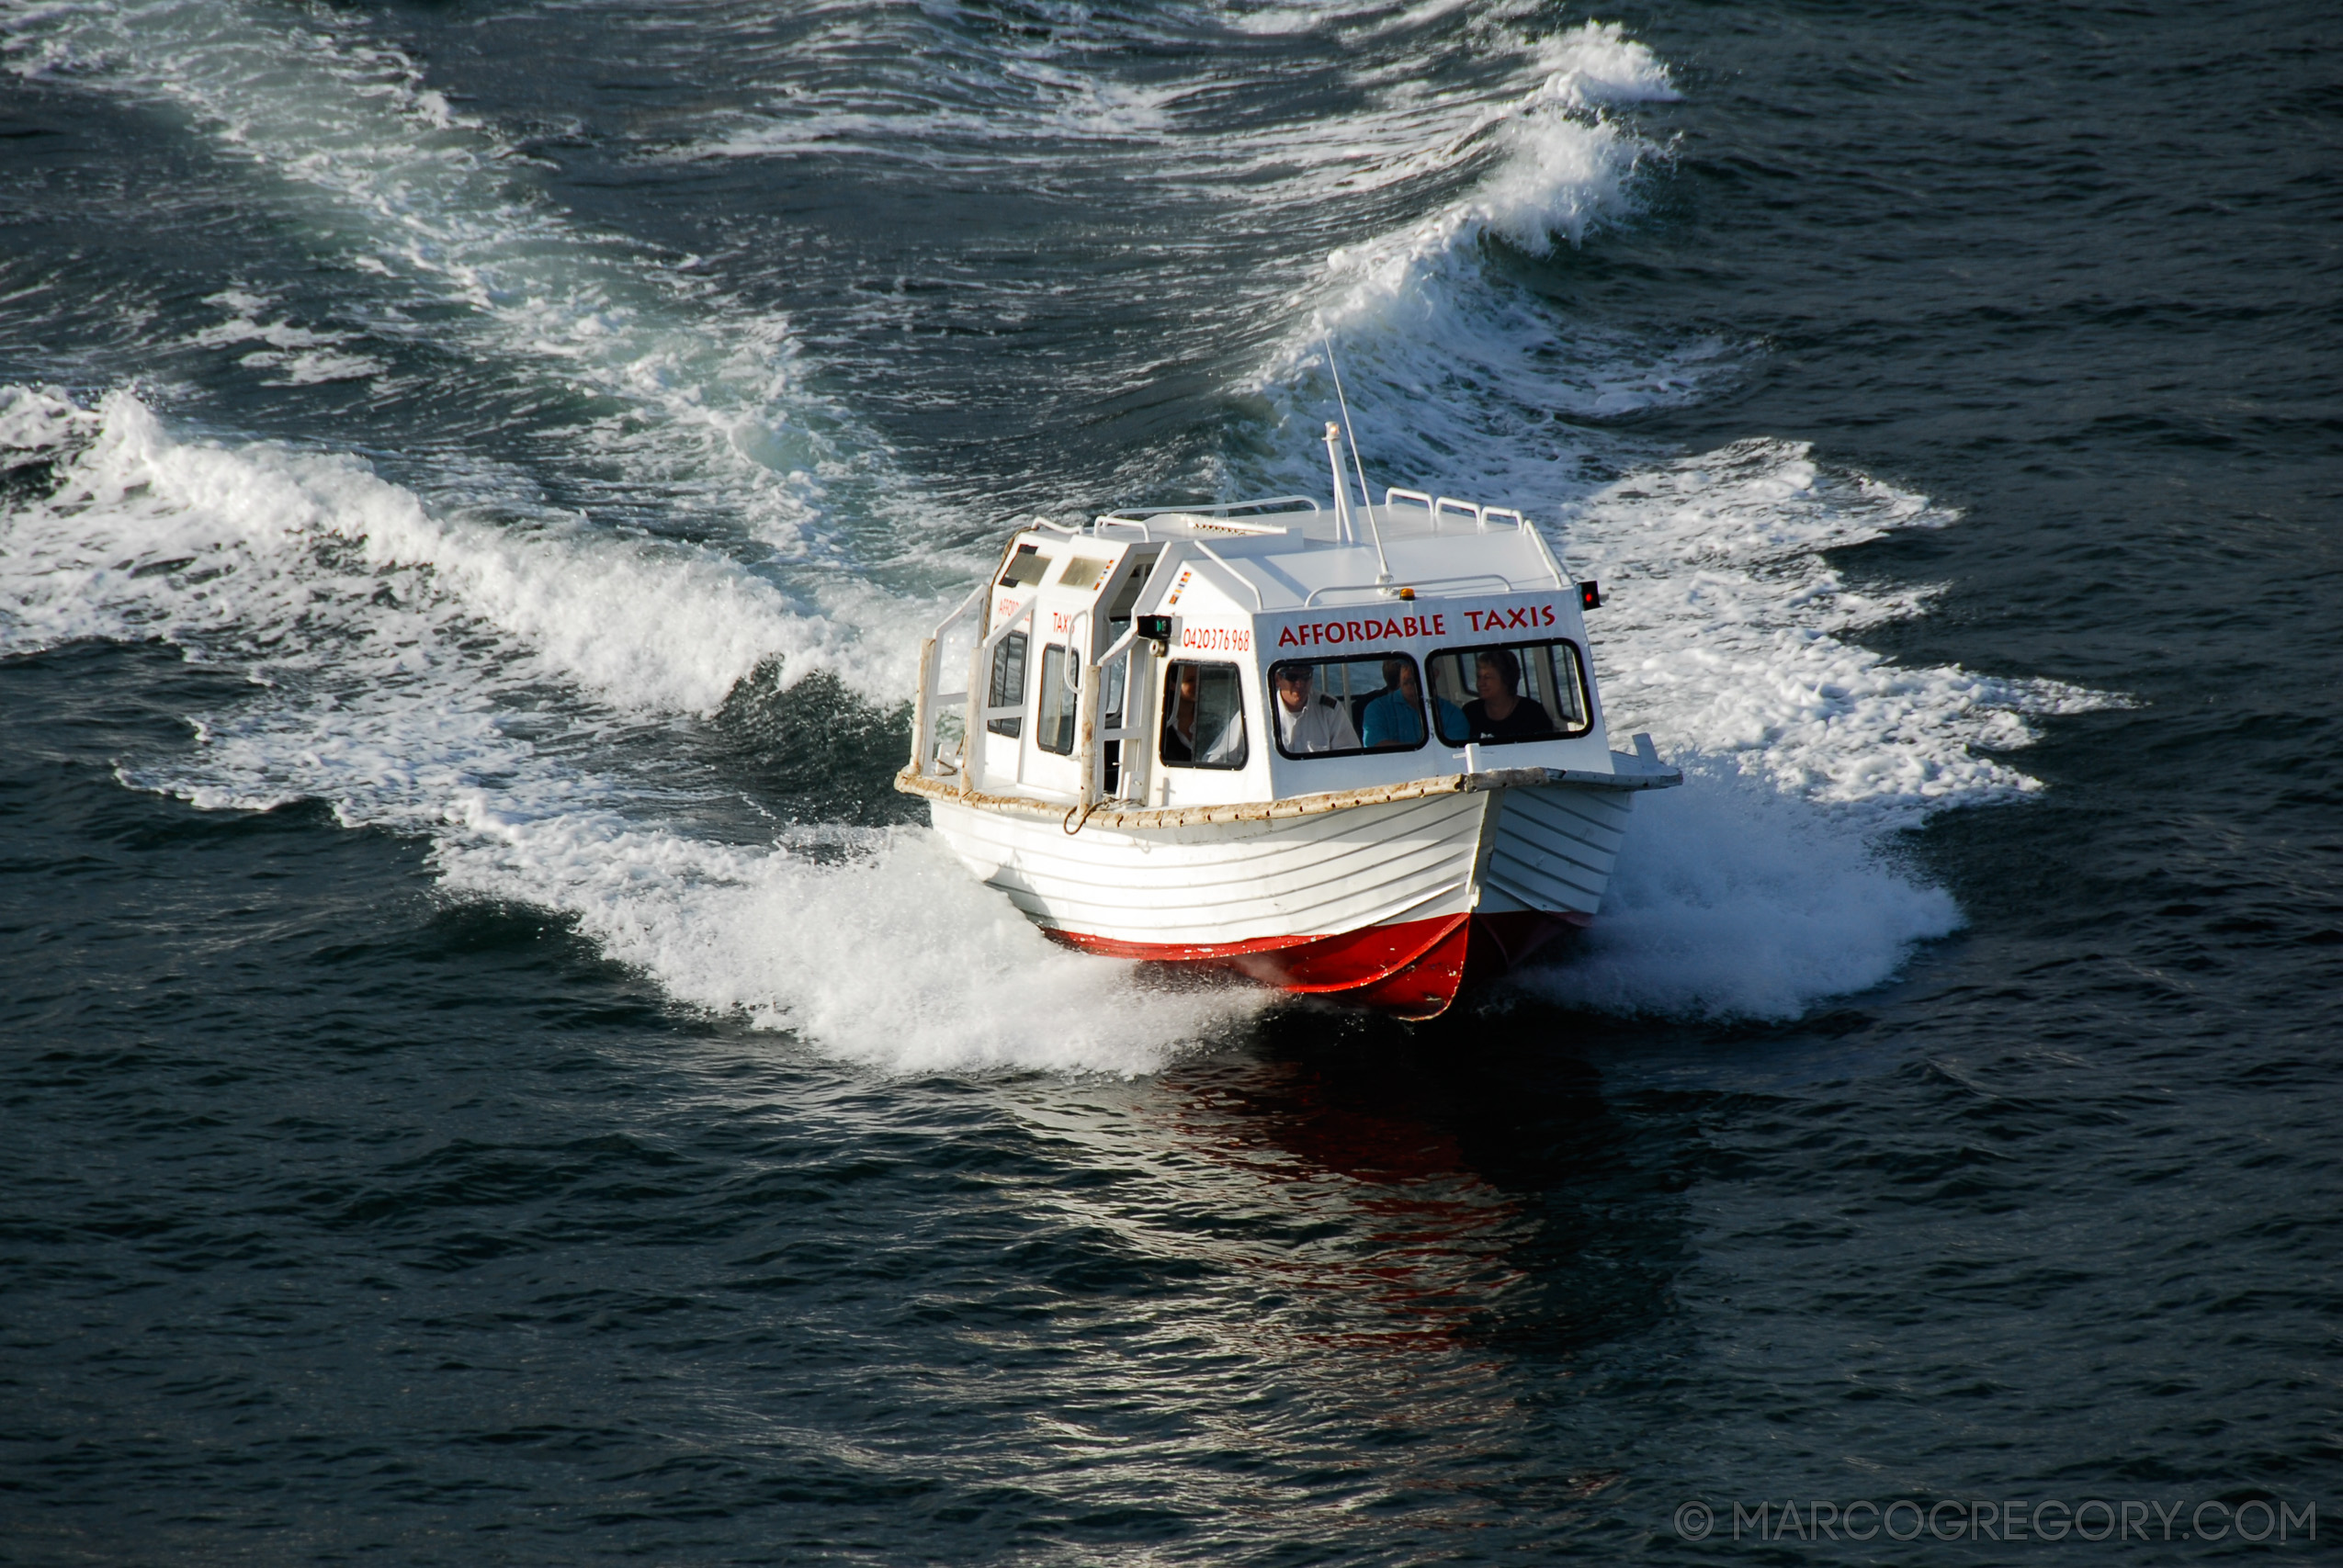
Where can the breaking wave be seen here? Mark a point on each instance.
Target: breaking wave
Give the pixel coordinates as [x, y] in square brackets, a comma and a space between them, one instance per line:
[879, 945]
[289, 562]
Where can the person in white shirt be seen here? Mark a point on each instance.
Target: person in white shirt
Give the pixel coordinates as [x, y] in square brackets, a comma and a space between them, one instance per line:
[1308, 721]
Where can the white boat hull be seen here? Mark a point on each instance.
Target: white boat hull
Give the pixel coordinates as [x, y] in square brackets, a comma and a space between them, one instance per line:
[1386, 899]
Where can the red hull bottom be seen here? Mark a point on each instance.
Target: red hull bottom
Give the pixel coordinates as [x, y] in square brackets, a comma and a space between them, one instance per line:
[1413, 969]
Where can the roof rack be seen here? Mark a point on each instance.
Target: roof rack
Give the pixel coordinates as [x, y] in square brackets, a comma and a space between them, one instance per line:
[1225, 516]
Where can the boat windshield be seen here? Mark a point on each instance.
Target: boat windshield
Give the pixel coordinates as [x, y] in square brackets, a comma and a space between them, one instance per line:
[1511, 691]
[1339, 708]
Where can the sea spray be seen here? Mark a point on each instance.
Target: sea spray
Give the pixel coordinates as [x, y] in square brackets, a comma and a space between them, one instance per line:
[875, 943]
[1732, 900]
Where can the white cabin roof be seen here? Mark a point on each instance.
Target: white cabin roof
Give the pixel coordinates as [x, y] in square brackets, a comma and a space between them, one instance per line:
[1295, 559]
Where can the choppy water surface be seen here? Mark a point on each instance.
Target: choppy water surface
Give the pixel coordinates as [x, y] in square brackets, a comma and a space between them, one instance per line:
[493, 1073]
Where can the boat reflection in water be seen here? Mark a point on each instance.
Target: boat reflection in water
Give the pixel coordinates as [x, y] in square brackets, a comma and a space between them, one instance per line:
[1348, 1267]
[1478, 1208]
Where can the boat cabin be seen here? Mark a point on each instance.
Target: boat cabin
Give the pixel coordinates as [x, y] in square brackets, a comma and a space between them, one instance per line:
[1179, 661]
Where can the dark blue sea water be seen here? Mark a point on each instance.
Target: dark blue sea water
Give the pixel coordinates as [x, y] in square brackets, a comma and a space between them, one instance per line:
[489, 1072]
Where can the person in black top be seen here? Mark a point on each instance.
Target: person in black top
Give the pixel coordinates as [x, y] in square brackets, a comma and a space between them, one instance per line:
[1498, 713]
[1184, 742]
[1179, 744]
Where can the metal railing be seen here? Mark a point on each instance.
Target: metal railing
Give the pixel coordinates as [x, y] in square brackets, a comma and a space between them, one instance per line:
[979, 715]
[1251, 586]
[1227, 515]
[1382, 590]
[1481, 515]
[1220, 508]
[1134, 761]
[1439, 506]
[929, 701]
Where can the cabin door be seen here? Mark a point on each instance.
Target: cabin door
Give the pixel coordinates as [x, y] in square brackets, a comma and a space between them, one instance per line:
[1051, 760]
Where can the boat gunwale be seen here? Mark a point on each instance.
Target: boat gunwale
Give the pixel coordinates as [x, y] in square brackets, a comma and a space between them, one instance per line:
[909, 781]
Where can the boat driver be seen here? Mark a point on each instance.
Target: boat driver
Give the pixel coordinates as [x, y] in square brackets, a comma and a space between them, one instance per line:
[1307, 719]
[1216, 748]
[1498, 713]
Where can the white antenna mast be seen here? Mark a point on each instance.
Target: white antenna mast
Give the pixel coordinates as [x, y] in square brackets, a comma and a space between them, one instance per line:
[1342, 530]
[1364, 495]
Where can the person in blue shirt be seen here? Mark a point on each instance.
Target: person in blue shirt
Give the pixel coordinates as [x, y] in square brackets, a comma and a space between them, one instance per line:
[1395, 718]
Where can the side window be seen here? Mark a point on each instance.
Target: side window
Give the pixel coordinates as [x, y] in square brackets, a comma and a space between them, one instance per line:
[1054, 724]
[1027, 566]
[1110, 715]
[1339, 708]
[1007, 687]
[1204, 715]
[1513, 690]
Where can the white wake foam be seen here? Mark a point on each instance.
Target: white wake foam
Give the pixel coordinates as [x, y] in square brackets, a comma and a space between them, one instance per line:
[294, 560]
[1597, 64]
[1456, 373]
[1734, 900]
[699, 398]
[1724, 630]
[305, 357]
[441, 676]
[1768, 884]
[879, 945]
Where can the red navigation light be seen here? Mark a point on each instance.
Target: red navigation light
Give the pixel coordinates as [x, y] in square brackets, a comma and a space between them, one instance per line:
[1590, 594]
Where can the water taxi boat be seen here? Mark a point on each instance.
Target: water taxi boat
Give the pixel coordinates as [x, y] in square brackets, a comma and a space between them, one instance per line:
[1353, 751]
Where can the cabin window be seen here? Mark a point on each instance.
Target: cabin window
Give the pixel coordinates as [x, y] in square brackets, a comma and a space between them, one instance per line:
[1082, 571]
[1060, 695]
[1126, 597]
[1341, 707]
[1511, 691]
[1110, 702]
[1027, 566]
[1007, 688]
[1204, 715]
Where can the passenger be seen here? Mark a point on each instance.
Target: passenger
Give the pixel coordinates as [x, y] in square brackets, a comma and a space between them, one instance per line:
[1223, 748]
[1498, 714]
[1309, 720]
[1395, 718]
